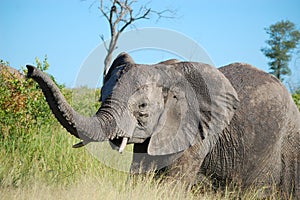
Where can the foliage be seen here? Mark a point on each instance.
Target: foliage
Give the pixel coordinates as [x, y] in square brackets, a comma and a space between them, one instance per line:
[84, 100]
[296, 97]
[4, 63]
[22, 104]
[33, 144]
[283, 39]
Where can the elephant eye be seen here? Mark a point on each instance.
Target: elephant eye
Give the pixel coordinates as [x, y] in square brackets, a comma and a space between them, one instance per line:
[143, 105]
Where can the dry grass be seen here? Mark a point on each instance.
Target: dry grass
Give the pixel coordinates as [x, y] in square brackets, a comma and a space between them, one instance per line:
[44, 166]
[93, 188]
[119, 188]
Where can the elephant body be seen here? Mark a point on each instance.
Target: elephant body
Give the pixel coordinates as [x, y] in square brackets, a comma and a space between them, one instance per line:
[195, 123]
[265, 130]
[260, 147]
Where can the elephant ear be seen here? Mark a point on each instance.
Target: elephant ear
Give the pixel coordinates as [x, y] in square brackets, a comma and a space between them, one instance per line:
[114, 73]
[198, 106]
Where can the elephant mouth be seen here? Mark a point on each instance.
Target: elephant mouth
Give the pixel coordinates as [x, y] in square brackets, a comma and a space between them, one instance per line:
[118, 143]
[121, 142]
[136, 140]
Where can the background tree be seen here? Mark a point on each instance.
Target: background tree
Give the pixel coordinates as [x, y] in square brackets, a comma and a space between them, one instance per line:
[120, 14]
[284, 38]
[296, 97]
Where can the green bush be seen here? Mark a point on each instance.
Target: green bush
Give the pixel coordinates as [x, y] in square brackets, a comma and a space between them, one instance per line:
[84, 100]
[296, 97]
[34, 146]
[22, 104]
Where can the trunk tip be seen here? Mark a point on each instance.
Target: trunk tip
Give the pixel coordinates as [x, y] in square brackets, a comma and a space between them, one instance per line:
[30, 70]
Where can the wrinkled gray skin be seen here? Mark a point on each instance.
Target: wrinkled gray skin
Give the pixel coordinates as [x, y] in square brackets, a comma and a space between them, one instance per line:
[236, 124]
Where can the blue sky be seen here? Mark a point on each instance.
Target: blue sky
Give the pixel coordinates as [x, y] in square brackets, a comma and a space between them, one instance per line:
[67, 31]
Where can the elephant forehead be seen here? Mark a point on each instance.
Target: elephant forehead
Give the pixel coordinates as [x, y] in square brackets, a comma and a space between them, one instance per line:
[124, 85]
[150, 91]
[140, 76]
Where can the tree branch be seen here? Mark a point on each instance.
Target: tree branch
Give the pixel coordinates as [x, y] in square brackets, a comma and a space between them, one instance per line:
[120, 14]
[163, 14]
[103, 40]
[103, 10]
[132, 19]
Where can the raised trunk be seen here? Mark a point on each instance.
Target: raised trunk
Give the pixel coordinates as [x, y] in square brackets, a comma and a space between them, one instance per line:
[86, 128]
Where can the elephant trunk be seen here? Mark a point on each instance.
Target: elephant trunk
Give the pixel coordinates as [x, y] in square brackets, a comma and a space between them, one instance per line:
[86, 128]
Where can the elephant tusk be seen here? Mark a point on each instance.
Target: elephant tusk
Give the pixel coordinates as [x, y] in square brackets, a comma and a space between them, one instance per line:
[123, 144]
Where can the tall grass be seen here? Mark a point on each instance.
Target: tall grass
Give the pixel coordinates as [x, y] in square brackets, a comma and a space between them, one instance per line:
[41, 164]
[43, 154]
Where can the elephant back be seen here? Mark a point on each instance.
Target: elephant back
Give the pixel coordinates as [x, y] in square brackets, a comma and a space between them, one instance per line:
[267, 124]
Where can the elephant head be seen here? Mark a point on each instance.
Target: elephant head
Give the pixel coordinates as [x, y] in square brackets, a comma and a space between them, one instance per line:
[171, 104]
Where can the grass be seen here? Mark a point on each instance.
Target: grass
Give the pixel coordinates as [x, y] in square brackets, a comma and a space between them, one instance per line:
[41, 164]
[96, 188]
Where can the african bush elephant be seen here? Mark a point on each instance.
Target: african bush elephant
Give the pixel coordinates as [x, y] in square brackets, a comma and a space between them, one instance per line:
[236, 124]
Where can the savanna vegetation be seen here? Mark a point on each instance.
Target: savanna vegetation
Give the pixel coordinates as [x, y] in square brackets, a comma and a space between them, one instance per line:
[37, 161]
[296, 97]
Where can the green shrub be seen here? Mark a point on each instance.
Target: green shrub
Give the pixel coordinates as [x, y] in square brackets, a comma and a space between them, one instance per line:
[84, 100]
[34, 146]
[296, 97]
[22, 104]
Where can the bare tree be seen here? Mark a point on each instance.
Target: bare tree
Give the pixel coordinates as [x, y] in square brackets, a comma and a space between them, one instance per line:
[120, 14]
